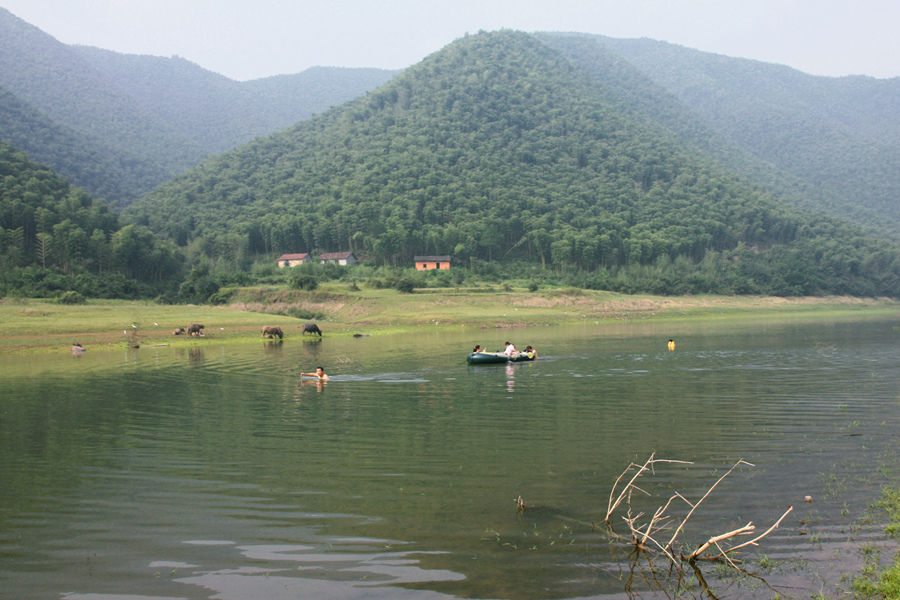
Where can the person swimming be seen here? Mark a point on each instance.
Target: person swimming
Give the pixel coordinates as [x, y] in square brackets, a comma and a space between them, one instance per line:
[320, 373]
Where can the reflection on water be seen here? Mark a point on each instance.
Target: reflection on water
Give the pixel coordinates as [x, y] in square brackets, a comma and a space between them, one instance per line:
[216, 472]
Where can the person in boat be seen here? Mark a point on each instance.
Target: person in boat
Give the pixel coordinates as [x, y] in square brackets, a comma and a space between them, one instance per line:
[477, 348]
[320, 373]
[671, 344]
[510, 349]
[531, 350]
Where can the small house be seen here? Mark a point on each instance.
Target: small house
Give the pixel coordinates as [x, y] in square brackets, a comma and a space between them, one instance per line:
[426, 263]
[338, 258]
[292, 260]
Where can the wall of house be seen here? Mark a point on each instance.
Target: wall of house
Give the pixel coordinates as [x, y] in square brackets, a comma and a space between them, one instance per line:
[428, 265]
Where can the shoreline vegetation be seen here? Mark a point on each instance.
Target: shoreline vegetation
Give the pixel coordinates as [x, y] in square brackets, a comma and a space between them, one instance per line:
[39, 325]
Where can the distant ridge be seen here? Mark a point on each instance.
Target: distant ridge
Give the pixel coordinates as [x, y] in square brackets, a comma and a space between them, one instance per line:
[154, 116]
[219, 113]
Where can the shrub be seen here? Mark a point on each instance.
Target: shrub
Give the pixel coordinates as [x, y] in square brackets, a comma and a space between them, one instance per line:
[221, 297]
[405, 285]
[71, 298]
[302, 281]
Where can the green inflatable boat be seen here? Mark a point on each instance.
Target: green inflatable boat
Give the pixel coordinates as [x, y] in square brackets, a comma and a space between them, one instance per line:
[489, 358]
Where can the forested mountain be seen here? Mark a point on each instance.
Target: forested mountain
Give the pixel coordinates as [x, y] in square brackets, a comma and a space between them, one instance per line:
[87, 161]
[52, 78]
[143, 119]
[499, 147]
[688, 127]
[118, 125]
[55, 238]
[838, 137]
[220, 113]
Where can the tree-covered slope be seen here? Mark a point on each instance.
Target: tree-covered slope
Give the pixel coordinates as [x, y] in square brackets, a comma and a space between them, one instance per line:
[499, 147]
[52, 78]
[142, 119]
[87, 162]
[839, 136]
[688, 127]
[54, 237]
[220, 113]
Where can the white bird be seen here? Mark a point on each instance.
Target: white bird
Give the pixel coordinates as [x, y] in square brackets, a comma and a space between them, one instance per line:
[155, 323]
[133, 326]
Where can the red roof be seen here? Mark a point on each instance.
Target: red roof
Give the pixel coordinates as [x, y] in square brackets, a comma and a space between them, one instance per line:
[303, 256]
[431, 259]
[336, 255]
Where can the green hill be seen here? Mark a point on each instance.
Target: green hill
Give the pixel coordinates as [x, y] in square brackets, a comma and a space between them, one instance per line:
[138, 120]
[87, 162]
[55, 238]
[219, 113]
[498, 147]
[53, 79]
[837, 140]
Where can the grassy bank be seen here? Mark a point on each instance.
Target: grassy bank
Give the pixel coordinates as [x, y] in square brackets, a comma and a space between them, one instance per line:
[40, 325]
[879, 577]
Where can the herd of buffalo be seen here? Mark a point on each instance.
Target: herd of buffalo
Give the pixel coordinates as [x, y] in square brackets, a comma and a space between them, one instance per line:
[196, 330]
[268, 331]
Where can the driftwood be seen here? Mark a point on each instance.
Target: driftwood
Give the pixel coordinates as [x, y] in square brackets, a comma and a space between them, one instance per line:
[644, 532]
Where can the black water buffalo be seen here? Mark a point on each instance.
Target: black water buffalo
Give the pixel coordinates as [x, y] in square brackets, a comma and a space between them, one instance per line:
[272, 331]
[195, 329]
[179, 331]
[311, 328]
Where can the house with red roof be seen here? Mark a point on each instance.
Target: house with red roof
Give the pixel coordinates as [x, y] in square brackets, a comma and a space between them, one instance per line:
[292, 260]
[427, 263]
[338, 258]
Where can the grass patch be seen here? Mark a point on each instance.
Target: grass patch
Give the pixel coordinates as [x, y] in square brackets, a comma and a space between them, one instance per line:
[875, 583]
[36, 325]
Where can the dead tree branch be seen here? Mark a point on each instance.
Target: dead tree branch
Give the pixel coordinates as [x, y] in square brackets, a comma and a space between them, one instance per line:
[708, 492]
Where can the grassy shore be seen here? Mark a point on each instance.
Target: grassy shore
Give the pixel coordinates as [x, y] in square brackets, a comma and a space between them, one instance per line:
[28, 325]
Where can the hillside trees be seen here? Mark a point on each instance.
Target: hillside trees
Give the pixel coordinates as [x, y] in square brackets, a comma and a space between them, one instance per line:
[829, 144]
[56, 237]
[497, 149]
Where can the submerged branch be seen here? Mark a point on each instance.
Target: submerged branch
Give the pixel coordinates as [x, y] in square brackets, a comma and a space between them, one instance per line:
[699, 502]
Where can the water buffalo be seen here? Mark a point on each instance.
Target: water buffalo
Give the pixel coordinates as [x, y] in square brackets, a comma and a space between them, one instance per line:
[272, 331]
[179, 331]
[311, 328]
[195, 329]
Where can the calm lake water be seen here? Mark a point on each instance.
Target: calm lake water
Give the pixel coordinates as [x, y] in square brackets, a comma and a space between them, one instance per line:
[215, 472]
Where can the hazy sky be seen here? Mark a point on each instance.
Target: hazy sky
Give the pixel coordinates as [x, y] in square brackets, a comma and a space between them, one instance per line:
[246, 39]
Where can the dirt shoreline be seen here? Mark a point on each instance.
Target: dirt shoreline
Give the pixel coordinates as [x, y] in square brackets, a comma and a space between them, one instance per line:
[28, 325]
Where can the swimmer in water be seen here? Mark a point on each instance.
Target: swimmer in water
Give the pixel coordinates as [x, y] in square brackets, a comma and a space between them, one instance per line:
[320, 373]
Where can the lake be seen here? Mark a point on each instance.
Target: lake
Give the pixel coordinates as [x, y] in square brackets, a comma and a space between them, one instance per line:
[214, 471]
